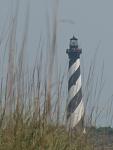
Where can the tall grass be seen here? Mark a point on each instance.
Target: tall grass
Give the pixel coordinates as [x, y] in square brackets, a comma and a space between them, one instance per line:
[31, 105]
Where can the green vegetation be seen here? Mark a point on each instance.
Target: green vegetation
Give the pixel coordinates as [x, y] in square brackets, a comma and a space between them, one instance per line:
[19, 134]
[32, 135]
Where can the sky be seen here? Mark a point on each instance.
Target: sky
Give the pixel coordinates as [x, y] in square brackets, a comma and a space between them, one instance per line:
[90, 21]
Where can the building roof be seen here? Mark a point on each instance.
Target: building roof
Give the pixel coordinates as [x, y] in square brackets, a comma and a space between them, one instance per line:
[73, 38]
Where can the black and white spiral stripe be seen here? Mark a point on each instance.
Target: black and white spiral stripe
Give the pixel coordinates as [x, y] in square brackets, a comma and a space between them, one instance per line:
[75, 108]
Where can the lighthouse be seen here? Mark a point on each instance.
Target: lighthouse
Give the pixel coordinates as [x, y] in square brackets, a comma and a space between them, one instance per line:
[75, 106]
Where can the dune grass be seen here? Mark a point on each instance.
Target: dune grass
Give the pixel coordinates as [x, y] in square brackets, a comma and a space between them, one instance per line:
[30, 106]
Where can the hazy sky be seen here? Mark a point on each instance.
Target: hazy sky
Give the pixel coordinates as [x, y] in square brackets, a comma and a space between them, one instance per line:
[91, 21]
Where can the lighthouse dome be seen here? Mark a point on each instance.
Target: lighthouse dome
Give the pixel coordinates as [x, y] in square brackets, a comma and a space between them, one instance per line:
[73, 42]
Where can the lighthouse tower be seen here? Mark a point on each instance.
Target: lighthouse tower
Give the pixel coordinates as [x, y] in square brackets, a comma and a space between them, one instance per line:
[75, 107]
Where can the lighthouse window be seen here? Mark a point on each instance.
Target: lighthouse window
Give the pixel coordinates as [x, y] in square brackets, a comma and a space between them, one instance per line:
[73, 43]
